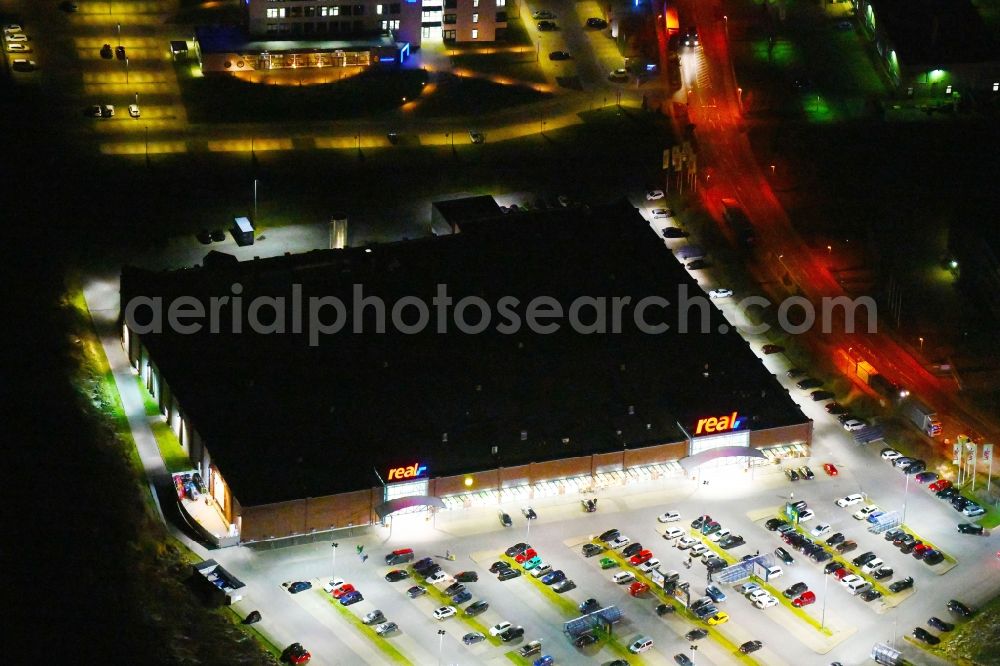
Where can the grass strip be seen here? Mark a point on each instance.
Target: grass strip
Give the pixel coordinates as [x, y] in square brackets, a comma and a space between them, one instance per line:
[948, 558]
[253, 632]
[683, 611]
[368, 630]
[973, 642]
[173, 455]
[445, 600]
[570, 610]
[787, 603]
[849, 566]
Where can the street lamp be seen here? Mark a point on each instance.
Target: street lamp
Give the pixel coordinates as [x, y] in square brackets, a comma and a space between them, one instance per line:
[906, 490]
[119, 34]
[126, 70]
[921, 343]
[441, 633]
[822, 621]
[333, 572]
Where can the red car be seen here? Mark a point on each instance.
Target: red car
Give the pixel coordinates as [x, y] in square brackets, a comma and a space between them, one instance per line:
[840, 573]
[830, 469]
[525, 556]
[637, 589]
[939, 485]
[296, 654]
[920, 549]
[342, 590]
[641, 556]
[804, 599]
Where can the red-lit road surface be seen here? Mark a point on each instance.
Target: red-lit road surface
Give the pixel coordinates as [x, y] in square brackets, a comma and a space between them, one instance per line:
[728, 168]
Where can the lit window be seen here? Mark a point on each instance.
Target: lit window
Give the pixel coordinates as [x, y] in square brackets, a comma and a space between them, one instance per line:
[378, 9]
[475, 34]
[501, 3]
[996, 86]
[475, 3]
[947, 90]
[475, 19]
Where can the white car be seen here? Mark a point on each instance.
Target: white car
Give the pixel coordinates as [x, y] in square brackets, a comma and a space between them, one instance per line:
[873, 566]
[438, 577]
[673, 533]
[499, 628]
[846, 581]
[698, 550]
[854, 424]
[757, 593]
[649, 565]
[865, 511]
[17, 47]
[24, 65]
[747, 588]
[820, 530]
[686, 542]
[850, 500]
[654, 195]
[669, 517]
[720, 293]
[765, 602]
[806, 515]
[331, 585]
[716, 537]
[662, 213]
[16, 37]
[444, 612]
[620, 542]
[133, 110]
[541, 570]
[890, 454]
[12, 28]
[623, 577]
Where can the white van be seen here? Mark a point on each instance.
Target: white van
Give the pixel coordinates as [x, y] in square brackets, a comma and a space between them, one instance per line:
[640, 644]
[773, 572]
[858, 586]
[623, 577]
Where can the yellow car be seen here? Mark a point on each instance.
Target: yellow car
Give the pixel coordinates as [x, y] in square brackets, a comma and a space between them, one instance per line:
[718, 618]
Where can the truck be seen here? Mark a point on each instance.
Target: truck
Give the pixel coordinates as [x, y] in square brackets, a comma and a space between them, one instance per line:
[884, 387]
[738, 222]
[922, 416]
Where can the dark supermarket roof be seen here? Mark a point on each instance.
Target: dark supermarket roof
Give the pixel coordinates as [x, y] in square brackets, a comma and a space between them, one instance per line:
[231, 39]
[935, 32]
[286, 420]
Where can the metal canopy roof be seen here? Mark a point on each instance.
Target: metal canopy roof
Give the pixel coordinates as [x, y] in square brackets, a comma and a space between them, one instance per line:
[401, 503]
[691, 462]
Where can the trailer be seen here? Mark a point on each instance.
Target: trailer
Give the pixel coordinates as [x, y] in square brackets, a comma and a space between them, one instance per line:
[922, 416]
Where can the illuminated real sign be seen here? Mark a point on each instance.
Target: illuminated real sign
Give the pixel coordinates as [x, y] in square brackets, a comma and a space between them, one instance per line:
[414, 471]
[716, 424]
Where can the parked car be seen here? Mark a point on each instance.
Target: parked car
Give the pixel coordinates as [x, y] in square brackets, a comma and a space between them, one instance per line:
[716, 594]
[511, 634]
[564, 586]
[608, 563]
[820, 530]
[784, 555]
[504, 519]
[444, 612]
[546, 26]
[673, 533]
[864, 512]
[499, 628]
[933, 557]
[351, 598]
[591, 549]
[751, 646]
[467, 577]
[473, 637]
[669, 517]
[806, 598]
[620, 542]
[530, 648]
[373, 617]
[632, 549]
[386, 628]
[958, 608]
[416, 591]
[871, 594]
[508, 574]
[476, 607]
[794, 590]
[528, 512]
[397, 575]
[940, 624]
[900, 585]
[609, 535]
[863, 558]
[300, 586]
[295, 654]
[516, 549]
[553, 577]
[525, 555]
[834, 539]
[830, 469]
[882, 573]
[925, 636]
[833, 566]
[808, 383]
[665, 609]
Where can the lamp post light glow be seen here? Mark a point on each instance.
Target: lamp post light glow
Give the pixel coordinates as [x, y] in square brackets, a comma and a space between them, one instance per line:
[468, 482]
[333, 571]
[441, 633]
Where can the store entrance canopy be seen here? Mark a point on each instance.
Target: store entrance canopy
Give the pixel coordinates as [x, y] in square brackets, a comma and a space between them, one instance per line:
[691, 462]
[400, 503]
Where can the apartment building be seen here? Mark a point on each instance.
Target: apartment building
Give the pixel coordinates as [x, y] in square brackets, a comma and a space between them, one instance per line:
[411, 21]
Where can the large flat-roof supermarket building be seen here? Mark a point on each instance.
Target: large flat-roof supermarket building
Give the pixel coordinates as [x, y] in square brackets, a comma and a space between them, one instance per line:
[291, 437]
